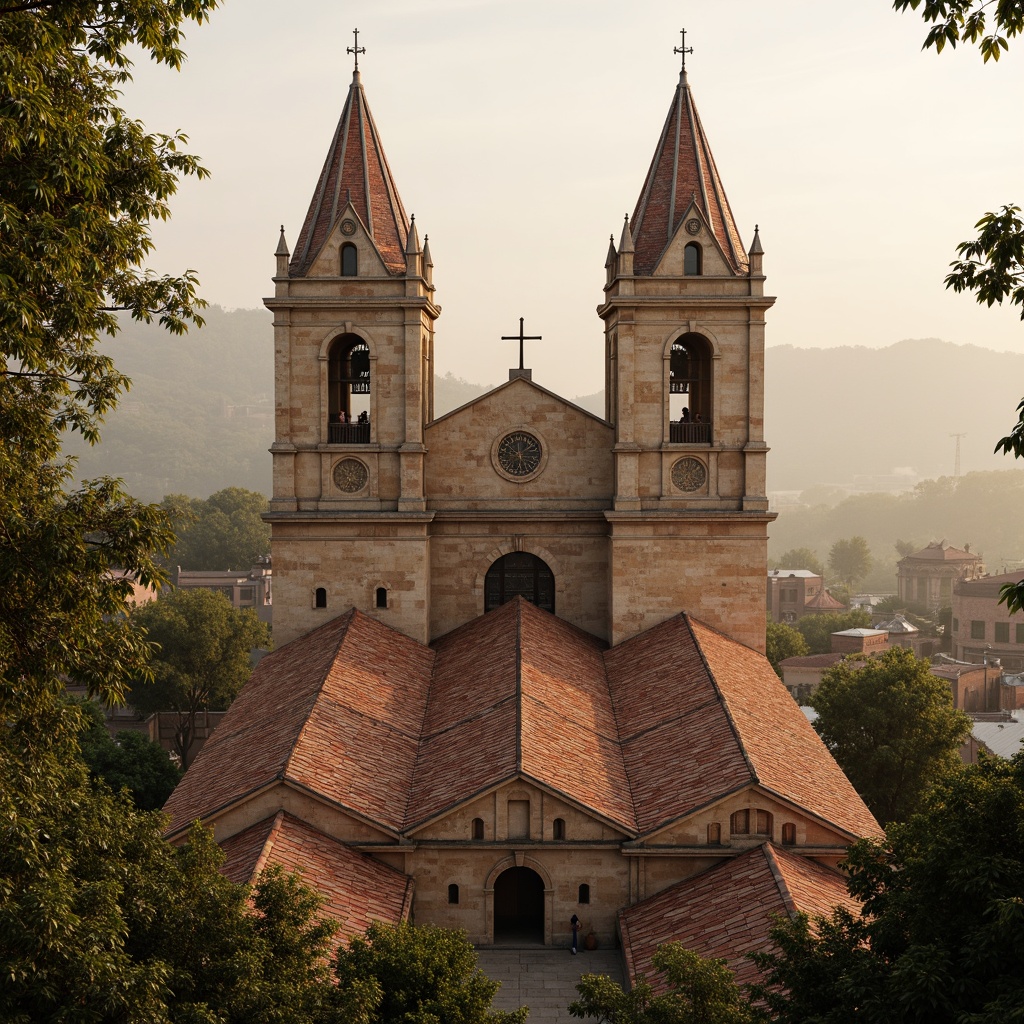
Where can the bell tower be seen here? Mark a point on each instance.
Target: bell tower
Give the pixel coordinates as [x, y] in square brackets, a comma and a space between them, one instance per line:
[354, 316]
[684, 382]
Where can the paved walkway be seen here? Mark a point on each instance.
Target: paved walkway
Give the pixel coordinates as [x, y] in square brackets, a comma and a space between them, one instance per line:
[543, 978]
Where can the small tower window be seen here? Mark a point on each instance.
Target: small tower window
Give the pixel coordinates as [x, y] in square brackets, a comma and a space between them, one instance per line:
[692, 260]
[350, 260]
[584, 893]
[382, 597]
[453, 894]
[789, 834]
[558, 828]
[714, 834]
[478, 828]
[320, 598]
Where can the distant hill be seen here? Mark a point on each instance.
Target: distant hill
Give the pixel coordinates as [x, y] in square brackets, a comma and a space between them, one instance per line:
[199, 416]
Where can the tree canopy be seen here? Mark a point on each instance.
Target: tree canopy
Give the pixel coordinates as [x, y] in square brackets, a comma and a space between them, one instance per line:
[941, 935]
[781, 642]
[850, 559]
[817, 630]
[799, 558]
[224, 531]
[132, 761]
[402, 973]
[697, 991]
[955, 21]
[202, 657]
[892, 727]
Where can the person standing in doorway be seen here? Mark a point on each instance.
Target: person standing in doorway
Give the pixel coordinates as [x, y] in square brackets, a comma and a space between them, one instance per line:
[575, 922]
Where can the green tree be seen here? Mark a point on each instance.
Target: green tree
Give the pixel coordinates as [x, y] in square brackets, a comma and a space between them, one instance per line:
[401, 973]
[799, 558]
[202, 658]
[905, 547]
[941, 935]
[955, 21]
[892, 727]
[699, 991]
[850, 559]
[817, 630]
[781, 642]
[224, 531]
[132, 761]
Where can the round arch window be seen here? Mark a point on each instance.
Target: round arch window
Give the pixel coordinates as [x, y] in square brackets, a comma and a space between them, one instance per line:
[519, 574]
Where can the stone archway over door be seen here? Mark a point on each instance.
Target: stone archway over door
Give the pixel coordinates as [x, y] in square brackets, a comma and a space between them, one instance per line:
[518, 906]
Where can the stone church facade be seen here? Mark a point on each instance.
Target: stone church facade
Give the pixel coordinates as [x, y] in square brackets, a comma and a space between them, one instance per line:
[520, 668]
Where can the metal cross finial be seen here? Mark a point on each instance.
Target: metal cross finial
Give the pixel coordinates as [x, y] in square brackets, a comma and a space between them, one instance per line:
[520, 337]
[684, 49]
[356, 49]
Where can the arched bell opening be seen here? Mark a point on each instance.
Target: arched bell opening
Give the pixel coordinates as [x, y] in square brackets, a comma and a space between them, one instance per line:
[348, 391]
[689, 390]
[518, 907]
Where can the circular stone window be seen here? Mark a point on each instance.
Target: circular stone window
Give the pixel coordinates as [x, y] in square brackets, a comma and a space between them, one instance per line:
[350, 475]
[693, 226]
[519, 455]
[689, 474]
[348, 227]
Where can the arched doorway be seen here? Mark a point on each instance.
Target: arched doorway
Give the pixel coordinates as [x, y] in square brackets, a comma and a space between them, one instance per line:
[523, 574]
[518, 907]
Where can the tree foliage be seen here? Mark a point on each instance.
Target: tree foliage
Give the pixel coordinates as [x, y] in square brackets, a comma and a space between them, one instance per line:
[817, 630]
[892, 727]
[696, 991]
[941, 935]
[955, 21]
[224, 531]
[202, 657]
[850, 559]
[400, 973]
[781, 642]
[132, 761]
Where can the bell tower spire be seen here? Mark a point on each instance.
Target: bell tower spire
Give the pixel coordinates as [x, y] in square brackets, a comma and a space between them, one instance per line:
[684, 341]
[354, 317]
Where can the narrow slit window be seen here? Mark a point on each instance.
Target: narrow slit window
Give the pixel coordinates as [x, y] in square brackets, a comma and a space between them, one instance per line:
[382, 597]
[453, 894]
[349, 260]
[478, 828]
[584, 896]
[789, 834]
[320, 598]
[692, 260]
[558, 828]
[714, 834]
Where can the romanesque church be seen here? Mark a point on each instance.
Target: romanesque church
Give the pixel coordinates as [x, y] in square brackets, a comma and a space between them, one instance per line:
[519, 671]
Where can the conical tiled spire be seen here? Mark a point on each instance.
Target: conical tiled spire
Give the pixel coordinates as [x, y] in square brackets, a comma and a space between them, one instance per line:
[682, 171]
[355, 171]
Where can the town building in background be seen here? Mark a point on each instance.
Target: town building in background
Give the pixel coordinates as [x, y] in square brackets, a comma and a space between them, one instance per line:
[983, 630]
[925, 579]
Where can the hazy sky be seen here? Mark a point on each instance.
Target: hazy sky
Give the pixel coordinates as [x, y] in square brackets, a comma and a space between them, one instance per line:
[520, 132]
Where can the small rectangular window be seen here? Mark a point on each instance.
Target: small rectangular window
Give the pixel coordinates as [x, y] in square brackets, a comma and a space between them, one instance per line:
[1019, 636]
[956, 625]
[977, 629]
[1002, 632]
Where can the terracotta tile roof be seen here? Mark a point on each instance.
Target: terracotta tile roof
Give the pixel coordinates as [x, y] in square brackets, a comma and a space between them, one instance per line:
[726, 912]
[986, 586]
[786, 755]
[398, 733]
[355, 171]
[357, 889]
[337, 711]
[812, 661]
[823, 599]
[683, 170]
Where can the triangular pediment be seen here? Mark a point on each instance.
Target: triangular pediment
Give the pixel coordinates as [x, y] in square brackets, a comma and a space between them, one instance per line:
[693, 226]
[348, 227]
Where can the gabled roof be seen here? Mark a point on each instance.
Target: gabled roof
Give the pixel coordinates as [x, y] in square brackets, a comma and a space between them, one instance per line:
[357, 172]
[357, 889]
[337, 712]
[824, 601]
[701, 715]
[727, 911]
[397, 734]
[682, 172]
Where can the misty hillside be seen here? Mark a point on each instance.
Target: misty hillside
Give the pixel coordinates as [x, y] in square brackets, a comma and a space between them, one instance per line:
[199, 415]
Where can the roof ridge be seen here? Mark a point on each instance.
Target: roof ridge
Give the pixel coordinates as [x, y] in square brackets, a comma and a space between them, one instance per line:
[268, 845]
[316, 691]
[721, 696]
[780, 880]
